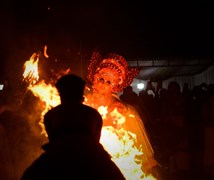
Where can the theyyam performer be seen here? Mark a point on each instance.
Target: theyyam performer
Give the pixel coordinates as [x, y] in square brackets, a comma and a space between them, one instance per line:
[122, 126]
[123, 133]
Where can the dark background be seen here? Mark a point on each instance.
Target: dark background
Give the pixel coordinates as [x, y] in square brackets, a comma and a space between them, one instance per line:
[74, 29]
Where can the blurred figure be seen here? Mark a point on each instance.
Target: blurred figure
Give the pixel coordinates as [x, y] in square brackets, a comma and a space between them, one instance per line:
[149, 86]
[129, 96]
[73, 129]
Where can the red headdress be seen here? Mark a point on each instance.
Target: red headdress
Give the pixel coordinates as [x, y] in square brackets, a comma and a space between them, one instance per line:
[114, 65]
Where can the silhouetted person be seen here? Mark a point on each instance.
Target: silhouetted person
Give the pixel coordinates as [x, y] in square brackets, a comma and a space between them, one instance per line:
[74, 130]
[129, 96]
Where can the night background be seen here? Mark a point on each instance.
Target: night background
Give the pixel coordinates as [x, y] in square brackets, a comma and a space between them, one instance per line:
[136, 29]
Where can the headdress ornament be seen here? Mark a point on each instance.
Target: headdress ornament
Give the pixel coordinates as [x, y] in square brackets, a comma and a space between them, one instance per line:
[115, 65]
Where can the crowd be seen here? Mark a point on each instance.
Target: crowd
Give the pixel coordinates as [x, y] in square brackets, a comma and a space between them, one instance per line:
[176, 120]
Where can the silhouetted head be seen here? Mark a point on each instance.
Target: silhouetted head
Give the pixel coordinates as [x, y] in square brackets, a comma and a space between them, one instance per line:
[173, 87]
[128, 89]
[71, 88]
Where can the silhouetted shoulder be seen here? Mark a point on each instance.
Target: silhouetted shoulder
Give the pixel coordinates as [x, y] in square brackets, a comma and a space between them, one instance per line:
[73, 119]
[92, 111]
[73, 110]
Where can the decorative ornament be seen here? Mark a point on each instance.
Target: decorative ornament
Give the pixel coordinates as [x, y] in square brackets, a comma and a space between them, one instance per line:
[113, 65]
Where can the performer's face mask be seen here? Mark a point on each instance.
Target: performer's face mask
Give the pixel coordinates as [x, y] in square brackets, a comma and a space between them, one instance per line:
[104, 81]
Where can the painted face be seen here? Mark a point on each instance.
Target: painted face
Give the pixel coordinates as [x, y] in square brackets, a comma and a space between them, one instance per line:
[111, 71]
[104, 81]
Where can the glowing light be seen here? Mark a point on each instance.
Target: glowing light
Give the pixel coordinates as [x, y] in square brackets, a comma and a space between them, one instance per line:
[1, 86]
[31, 74]
[45, 51]
[121, 144]
[102, 110]
[140, 85]
[49, 96]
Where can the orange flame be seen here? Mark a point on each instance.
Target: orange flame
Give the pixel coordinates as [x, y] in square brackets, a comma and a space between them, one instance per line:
[31, 74]
[48, 95]
[118, 142]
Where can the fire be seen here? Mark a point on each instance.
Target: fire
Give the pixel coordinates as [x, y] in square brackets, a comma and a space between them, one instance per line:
[102, 110]
[119, 142]
[31, 74]
[48, 95]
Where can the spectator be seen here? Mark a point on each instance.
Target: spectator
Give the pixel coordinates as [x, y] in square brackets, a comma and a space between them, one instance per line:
[74, 129]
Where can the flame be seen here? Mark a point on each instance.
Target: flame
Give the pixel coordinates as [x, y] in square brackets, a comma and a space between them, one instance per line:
[31, 74]
[102, 110]
[117, 116]
[45, 51]
[119, 142]
[48, 95]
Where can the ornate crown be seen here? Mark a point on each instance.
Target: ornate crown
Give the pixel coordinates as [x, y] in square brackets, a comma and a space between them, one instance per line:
[116, 65]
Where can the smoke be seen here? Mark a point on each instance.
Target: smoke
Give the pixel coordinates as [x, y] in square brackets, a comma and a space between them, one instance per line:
[22, 139]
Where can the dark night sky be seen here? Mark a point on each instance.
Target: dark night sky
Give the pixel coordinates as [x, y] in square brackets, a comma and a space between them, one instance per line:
[134, 29]
[155, 28]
